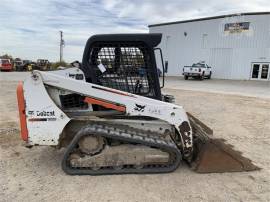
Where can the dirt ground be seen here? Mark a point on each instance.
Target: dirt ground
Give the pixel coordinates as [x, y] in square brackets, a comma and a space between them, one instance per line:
[35, 174]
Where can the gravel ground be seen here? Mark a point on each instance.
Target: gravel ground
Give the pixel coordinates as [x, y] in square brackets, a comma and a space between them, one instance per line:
[35, 174]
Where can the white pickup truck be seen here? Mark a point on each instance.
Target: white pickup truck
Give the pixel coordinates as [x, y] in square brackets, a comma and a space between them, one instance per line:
[197, 70]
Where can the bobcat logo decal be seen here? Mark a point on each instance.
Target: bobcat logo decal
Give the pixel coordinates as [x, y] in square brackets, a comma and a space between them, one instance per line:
[139, 108]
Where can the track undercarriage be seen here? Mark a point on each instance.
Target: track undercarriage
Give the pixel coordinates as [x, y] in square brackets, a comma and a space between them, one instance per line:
[113, 149]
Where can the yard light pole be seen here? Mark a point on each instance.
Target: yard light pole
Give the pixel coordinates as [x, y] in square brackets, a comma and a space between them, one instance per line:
[62, 44]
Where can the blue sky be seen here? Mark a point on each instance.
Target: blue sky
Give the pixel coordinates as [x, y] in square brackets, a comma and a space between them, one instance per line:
[30, 28]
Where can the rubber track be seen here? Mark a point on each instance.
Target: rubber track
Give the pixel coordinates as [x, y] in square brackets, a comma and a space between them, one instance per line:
[129, 135]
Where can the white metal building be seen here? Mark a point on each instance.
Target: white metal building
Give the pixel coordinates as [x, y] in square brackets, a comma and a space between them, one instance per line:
[236, 46]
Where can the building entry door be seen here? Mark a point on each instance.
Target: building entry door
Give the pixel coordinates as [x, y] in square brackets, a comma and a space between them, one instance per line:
[260, 71]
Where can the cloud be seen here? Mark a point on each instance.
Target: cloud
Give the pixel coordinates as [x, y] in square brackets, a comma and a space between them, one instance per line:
[30, 28]
[157, 11]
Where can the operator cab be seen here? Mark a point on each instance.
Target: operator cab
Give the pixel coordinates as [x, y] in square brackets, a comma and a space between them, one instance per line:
[124, 62]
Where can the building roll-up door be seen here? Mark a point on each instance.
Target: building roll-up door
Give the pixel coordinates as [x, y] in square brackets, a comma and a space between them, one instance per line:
[221, 62]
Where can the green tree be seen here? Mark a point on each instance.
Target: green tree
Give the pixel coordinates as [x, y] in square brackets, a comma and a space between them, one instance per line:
[6, 56]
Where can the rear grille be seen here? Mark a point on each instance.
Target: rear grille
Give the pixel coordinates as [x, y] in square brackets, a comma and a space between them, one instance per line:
[73, 101]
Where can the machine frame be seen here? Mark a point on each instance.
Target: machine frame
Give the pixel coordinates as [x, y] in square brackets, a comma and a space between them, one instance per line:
[45, 120]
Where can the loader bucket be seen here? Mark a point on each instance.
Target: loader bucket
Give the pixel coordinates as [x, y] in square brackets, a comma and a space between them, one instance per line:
[213, 155]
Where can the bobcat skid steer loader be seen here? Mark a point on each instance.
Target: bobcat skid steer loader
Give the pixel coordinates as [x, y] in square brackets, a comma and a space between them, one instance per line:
[112, 118]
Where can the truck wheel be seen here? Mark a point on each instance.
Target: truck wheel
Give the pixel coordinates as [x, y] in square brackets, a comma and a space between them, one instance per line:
[202, 77]
[209, 77]
[186, 77]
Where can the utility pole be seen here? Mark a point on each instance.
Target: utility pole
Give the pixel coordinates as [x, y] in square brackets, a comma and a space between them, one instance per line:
[62, 44]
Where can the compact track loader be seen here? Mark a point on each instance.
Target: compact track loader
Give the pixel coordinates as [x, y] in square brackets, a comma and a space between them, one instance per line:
[111, 117]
